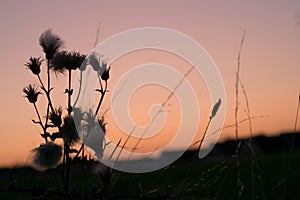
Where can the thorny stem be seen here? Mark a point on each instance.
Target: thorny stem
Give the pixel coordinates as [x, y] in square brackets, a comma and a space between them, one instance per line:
[46, 92]
[48, 96]
[100, 82]
[80, 86]
[76, 100]
[40, 121]
[69, 93]
[102, 97]
[67, 158]
[38, 114]
[41, 82]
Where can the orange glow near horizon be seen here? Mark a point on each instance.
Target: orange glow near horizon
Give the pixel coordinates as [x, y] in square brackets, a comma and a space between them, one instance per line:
[146, 96]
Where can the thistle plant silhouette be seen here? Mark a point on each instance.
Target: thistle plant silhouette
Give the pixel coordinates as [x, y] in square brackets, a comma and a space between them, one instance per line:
[59, 123]
[55, 125]
[63, 147]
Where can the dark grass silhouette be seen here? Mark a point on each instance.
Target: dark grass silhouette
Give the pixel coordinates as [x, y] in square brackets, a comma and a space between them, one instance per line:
[212, 177]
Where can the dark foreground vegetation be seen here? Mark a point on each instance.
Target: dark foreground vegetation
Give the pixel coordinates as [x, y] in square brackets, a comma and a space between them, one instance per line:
[273, 173]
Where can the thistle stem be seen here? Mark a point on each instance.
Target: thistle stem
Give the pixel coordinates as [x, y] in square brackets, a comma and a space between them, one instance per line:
[38, 114]
[69, 93]
[40, 121]
[48, 93]
[101, 98]
[41, 82]
[79, 90]
[67, 158]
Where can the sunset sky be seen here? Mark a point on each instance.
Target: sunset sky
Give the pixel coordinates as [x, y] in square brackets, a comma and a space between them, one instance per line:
[270, 62]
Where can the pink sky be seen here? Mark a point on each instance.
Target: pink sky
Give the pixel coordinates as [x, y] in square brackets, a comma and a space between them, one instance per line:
[269, 65]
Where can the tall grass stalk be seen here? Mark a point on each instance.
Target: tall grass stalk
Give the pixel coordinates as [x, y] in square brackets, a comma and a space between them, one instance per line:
[162, 106]
[253, 155]
[291, 150]
[238, 181]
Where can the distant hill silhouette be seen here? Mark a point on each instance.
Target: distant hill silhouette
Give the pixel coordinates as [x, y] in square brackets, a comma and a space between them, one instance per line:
[260, 144]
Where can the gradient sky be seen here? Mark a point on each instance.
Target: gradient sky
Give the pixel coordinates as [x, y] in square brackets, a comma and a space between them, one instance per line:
[269, 64]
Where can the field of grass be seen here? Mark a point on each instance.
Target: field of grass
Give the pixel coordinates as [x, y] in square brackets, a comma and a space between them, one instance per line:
[204, 179]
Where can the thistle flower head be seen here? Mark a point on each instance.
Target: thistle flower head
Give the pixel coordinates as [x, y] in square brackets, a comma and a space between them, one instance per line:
[50, 43]
[105, 74]
[98, 66]
[46, 156]
[65, 60]
[34, 64]
[55, 117]
[94, 61]
[31, 93]
[69, 131]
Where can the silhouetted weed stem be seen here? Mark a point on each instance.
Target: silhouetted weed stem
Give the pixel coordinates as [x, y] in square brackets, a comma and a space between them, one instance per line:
[69, 92]
[39, 117]
[291, 150]
[297, 114]
[49, 155]
[162, 106]
[239, 184]
[102, 93]
[48, 94]
[67, 167]
[253, 155]
[41, 82]
[79, 89]
[67, 145]
[250, 138]
[213, 114]
[204, 134]
[233, 125]
[155, 116]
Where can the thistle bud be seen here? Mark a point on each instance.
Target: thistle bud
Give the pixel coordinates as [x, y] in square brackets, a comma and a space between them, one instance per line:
[105, 74]
[34, 64]
[31, 93]
[55, 117]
